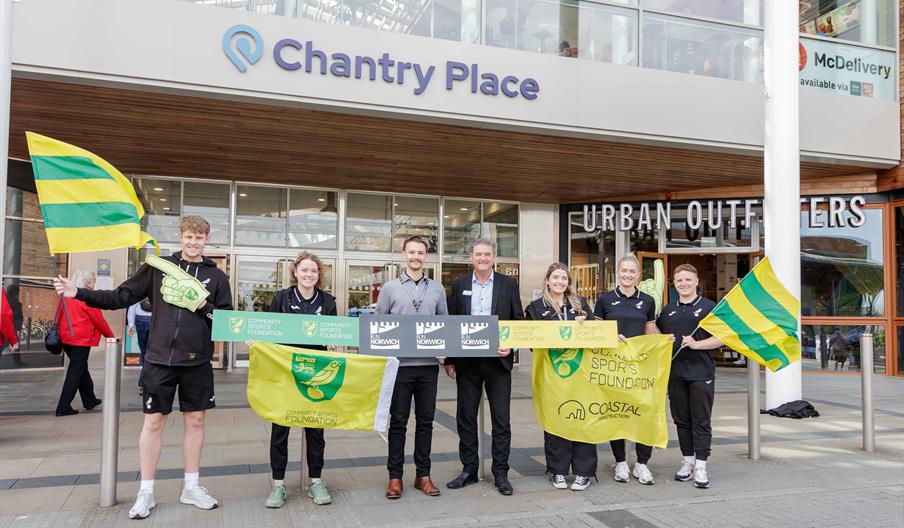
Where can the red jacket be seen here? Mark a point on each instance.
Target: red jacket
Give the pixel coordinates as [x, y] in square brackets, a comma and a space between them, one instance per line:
[88, 324]
[7, 330]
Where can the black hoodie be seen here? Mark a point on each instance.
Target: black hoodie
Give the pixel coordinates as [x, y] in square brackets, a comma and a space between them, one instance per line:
[178, 337]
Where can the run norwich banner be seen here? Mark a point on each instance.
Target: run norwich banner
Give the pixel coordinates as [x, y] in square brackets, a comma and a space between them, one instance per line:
[296, 387]
[231, 325]
[429, 335]
[597, 394]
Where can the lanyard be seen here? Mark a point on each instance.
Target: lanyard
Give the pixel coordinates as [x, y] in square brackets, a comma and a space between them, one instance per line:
[420, 298]
[564, 315]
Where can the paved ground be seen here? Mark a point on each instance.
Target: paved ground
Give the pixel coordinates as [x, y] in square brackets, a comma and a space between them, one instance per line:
[812, 472]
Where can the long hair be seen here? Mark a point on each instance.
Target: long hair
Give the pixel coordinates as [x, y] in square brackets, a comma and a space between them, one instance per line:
[570, 294]
[305, 255]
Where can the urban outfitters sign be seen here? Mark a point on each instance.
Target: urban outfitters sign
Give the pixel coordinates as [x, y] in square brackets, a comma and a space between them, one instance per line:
[244, 46]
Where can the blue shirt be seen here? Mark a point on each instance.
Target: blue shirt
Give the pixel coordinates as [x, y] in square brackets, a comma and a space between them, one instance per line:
[481, 296]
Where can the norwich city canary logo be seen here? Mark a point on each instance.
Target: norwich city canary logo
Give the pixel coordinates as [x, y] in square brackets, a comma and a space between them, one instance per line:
[505, 332]
[236, 324]
[318, 378]
[565, 361]
[309, 327]
[565, 332]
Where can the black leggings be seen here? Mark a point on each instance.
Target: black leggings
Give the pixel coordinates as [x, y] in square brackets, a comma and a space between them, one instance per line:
[279, 451]
[78, 379]
[644, 452]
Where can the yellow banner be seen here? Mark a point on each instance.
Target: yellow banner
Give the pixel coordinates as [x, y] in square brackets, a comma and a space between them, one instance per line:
[297, 387]
[600, 394]
[558, 334]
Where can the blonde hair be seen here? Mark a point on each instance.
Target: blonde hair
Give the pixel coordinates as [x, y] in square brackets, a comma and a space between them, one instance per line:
[81, 276]
[305, 255]
[570, 294]
[195, 224]
[628, 258]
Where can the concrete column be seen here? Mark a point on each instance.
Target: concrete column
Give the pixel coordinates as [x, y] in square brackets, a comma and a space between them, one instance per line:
[6, 62]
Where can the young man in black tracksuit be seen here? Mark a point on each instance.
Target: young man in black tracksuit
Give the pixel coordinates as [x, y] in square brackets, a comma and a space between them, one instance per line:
[692, 381]
[178, 355]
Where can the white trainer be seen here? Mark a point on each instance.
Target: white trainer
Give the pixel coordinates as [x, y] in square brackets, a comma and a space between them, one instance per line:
[700, 479]
[621, 472]
[199, 497]
[580, 483]
[686, 472]
[144, 503]
[559, 482]
[642, 474]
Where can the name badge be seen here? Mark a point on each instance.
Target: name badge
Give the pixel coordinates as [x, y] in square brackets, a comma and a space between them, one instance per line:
[466, 292]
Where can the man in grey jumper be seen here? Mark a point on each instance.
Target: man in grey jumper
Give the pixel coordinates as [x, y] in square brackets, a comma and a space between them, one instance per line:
[412, 293]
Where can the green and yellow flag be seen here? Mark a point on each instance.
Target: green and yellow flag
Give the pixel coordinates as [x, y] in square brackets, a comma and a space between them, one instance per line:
[297, 387]
[597, 394]
[758, 318]
[87, 204]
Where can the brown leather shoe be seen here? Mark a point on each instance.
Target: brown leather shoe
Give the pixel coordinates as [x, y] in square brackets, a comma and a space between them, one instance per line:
[426, 485]
[394, 489]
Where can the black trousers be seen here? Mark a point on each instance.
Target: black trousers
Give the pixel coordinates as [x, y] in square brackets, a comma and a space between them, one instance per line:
[78, 379]
[563, 454]
[419, 383]
[279, 451]
[644, 452]
[692, 407]
[471, 376]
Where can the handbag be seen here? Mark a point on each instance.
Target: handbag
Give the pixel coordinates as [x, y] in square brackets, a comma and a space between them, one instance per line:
[52, 341]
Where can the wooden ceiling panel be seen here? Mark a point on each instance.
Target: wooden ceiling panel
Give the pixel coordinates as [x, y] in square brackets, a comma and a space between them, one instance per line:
[162, 134]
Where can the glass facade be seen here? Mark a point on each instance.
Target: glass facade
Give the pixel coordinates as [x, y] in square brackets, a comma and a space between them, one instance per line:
[837, 347]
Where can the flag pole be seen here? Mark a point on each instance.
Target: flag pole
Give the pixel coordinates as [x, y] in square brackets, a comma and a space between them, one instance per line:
[56, 271]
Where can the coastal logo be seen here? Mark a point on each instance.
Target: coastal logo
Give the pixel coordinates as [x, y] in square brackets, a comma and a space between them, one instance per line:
[565, 332]
[236, 324]
[572, 410]
[424, 340]
[241, 44]
[470, 339]
[565, 361]
[318, 378]
[309, 327]
[380, 342]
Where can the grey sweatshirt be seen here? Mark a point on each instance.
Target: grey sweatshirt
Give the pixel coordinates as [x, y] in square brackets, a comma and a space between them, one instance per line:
[395, 300]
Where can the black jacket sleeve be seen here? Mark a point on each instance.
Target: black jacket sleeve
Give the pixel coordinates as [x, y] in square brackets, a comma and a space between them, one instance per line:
[452, 299]
[131, 291]
[598, 313]
[517, 310]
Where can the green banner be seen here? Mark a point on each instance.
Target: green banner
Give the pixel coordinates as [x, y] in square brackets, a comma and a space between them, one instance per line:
[229, 325]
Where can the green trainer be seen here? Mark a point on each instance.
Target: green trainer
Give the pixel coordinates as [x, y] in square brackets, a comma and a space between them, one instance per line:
[318, 492]
[277, 497]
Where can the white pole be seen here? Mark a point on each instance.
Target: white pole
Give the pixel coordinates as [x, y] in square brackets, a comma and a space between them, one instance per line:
[6, 74]
[781, 207]
[109, 446]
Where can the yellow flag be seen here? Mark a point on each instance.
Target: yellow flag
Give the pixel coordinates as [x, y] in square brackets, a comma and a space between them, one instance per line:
[297, 387]
[597, 394]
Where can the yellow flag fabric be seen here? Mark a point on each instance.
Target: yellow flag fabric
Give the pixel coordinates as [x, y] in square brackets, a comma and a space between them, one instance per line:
[297, 387]
[86, 203]
[758, 318]
[598, 394]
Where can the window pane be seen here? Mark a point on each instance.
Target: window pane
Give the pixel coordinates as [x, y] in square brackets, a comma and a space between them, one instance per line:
[211, 201]
[837, 348]
[368, 222]
[842, 270]
[33, 303]
[26, 252]
[161, 200]
[899, 251]
[870, 21]
[680, 235]
[260, 216]
[901, 350]
[740, 11]
[22, 204]
[499, 24]
[538, 24]
[313, 219]
[605, 34]
[457, 20]
[411, 17]
[461, 221]
[500, 223]
[592, 261]
[415, 216]
[702, 48]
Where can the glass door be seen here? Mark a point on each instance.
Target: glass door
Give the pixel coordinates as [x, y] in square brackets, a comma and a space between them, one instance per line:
[647, 260]
[898, 281]
[257, 281]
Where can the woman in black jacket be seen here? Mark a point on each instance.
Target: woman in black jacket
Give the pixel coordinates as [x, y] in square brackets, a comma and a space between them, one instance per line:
[560, 302]
[304, 297]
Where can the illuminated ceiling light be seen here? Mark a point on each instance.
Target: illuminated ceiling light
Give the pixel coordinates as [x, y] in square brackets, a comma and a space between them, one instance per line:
[242, 195]
[160, 189]
[166, 208]
[462, 208]
[162, 199]
[321, 199]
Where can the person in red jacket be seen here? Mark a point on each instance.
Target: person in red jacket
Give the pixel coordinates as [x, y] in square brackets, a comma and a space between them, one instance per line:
[88, 325]
[7, 328]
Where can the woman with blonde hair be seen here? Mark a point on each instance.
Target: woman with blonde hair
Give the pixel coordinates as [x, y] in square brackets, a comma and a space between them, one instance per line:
[87, 326]
[563, 456]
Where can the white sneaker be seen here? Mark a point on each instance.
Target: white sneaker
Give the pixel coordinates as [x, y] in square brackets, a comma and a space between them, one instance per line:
[143, 505]
[700, 479]
[199, 497]
[580, 483]
[559, 482]
[685, 473]
[621, 472]
[642, 473]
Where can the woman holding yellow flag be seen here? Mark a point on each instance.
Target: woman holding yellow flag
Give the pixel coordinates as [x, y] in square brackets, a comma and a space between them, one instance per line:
[560, 302]
[304, 297]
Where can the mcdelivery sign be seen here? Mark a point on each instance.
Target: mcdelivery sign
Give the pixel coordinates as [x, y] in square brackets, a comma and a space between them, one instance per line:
[244, 46]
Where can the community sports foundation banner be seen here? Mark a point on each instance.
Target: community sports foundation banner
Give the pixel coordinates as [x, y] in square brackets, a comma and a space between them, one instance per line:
[296, 387]
[598, 394]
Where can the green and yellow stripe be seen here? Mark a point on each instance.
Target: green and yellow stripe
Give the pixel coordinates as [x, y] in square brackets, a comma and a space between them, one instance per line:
[758, 318]
[86, 203]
